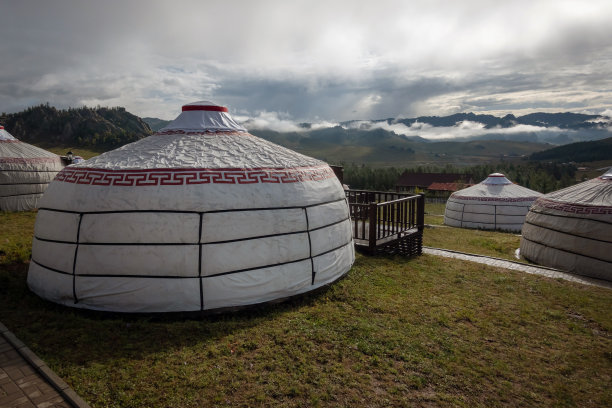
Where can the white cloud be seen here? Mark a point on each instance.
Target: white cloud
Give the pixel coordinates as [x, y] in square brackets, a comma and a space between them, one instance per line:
[270, 121]
[279, 122]
[461, 130]
[282, 122]
[330, 60]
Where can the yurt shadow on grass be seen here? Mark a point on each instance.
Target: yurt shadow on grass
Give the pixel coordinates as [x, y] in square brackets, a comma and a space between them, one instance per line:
[137, 336]
[199, 216]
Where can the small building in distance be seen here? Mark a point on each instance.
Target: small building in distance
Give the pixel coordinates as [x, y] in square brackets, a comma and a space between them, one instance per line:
[444, 190]
[436, 184]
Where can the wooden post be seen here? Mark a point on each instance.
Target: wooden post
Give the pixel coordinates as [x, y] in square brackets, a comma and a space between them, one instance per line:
[420, 222]
[373, 225]
[421, 211]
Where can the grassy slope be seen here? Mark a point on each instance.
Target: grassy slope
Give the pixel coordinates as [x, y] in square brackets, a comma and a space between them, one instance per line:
[437, 153]
[582, 151]
[380, 148]
[84, 152]
[490, 243]
[16, 234]
[426, 331]
[396, 331]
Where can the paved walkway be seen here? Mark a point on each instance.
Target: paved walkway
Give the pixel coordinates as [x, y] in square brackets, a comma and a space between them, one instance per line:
[517, 266]
[26, 381]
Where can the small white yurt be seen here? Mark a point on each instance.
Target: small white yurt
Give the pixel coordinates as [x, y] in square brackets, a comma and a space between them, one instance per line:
[571, 229]
[494, 204]
[25, 173]
[201, 215]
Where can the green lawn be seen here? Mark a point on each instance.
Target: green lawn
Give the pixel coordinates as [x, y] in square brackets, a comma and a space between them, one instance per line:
[434, 209]
[434, 214]
[426, 331]
[16, 231]
[490, 243]
[84, 152]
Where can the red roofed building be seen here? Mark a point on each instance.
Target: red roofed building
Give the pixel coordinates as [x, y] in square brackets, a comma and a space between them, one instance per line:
[446, 187]
[411, 182]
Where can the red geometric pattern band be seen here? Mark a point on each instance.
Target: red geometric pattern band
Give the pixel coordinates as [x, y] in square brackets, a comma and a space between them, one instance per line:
[179, 177]
[573, 208]
[201, 132]
[502, 199]
[209, 108]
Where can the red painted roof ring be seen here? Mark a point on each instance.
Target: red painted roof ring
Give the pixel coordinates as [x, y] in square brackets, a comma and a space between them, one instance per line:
[204, 108]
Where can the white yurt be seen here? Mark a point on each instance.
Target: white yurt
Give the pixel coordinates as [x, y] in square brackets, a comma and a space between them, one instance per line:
[571, 229]
[495, 204]
[25, 173]
[201, 215]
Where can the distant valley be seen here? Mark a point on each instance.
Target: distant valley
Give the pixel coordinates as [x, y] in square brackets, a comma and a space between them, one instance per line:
[379, 143]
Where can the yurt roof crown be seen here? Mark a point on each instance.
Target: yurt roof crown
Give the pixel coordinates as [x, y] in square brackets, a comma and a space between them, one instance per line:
[4, 135]
[203, 115]
[496, 179]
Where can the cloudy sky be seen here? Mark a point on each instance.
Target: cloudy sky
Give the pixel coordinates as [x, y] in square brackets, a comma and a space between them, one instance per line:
[317, 61]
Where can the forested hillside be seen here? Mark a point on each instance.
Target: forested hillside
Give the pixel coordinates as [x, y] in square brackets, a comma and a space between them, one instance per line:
[156, 124]
[76, 126]
[542, 177]
[578, 152]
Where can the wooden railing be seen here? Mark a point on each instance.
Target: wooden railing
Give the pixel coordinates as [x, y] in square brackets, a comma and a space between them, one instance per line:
[387, 220]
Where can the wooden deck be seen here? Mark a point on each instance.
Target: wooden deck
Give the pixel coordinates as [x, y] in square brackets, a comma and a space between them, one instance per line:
[387, 222]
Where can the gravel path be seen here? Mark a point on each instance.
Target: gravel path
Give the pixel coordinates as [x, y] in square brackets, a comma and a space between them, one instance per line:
[517, 266]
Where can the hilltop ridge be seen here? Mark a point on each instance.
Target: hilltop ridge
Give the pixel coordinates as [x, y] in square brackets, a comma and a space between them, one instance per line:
[78, 126]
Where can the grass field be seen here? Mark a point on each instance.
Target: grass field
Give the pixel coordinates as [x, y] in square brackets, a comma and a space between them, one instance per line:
[16, 236]
[426, 331]
[84, 152]
[434, 214]
[490, 243]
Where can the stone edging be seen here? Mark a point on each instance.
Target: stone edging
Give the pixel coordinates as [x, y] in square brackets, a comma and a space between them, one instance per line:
[517, 266]
[41, 368]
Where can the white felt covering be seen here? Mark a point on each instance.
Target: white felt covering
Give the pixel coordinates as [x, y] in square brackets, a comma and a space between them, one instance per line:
[201, 215]
[494, 203]
[25, 173]
[571, 229]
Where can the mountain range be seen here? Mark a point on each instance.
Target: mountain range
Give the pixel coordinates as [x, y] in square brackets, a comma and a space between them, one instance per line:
[553, 128]
[484, 138]
[564, 120]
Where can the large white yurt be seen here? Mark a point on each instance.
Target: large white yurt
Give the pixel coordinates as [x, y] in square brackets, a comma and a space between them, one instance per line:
[494, 204]
[25, 173]
[571, 229]
[201, 215]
